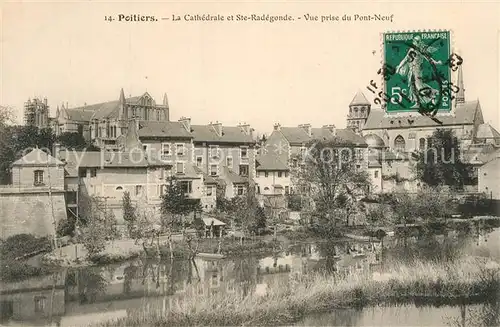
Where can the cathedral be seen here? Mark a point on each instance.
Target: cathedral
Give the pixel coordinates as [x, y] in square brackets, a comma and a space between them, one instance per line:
[104, 123]
[407, 133]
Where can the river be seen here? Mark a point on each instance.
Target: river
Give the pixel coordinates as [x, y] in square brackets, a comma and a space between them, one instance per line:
[78, 297]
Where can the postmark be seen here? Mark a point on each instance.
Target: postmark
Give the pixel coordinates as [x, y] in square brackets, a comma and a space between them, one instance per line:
[417, 71]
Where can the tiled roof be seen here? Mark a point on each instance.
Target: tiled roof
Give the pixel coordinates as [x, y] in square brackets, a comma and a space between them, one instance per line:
[99, 110]
[79, 114]
[230, 134]
[486, 131]
[102, 159]
[270, 162]
[463, 115]
[359, 99]
[162, 129]
[297, 135]
[37, 157]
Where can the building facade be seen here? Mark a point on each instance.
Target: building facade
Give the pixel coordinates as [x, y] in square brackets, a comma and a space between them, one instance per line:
[36, 113]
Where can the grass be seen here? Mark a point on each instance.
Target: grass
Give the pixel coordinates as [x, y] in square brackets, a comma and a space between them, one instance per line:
[467, 279]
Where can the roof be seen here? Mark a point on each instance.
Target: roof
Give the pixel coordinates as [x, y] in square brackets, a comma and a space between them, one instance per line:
[109, 109]
[486, 131]
[232, 176]
[298, 135]
[393, 155]
[270, 162]
[207, 179]
[37, 157]
[374, 141]
[230, 134]
[103, 159]
[359, 99]
[79, 114]
[208, 222]
[464, 114]
[163, 129]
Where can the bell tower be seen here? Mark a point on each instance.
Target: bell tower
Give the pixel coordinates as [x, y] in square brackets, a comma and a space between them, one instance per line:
[359, 109]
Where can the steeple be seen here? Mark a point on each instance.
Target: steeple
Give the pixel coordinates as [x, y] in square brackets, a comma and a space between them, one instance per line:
[165, 100]
[359, 99]
[460, 97]
[166, 114]
[122, 97]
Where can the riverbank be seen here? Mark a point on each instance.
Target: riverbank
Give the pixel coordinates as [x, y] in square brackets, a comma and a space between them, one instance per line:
[471, 279]
[122, 250]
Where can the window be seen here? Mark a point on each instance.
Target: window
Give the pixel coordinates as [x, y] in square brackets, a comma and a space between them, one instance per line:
[165, 149]
[302, 151]
[161, 190]
[421, 144]
[209, 190]
[399, 143]
[266, 174]
[199, 161]
[240, 190]
[243, 170]
[179, 168]
[82, 172]
[376, 173]
[180, 149]
[38, 177]
[138, 189]
[93, 172]
[187, 186]
[214, 151]
[145, 147]
[280, 174]
[229, 162]
[40, 303]
[244, 152]
[286, 174]
[287, 190]
[213, 170]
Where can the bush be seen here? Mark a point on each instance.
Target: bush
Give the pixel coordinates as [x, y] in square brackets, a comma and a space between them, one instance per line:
[22, 244]
[13, 270]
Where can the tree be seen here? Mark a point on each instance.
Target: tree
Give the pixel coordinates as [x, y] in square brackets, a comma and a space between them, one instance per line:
[16, 141]
[72, 140]
[129, 213]
[176, 204]
[330, 182]
[441, 163]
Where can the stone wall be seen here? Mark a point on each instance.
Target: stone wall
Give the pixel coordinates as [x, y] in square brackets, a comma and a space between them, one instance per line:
[29, 211]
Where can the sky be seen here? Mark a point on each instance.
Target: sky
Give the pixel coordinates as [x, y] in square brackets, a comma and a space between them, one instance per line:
[256, 72]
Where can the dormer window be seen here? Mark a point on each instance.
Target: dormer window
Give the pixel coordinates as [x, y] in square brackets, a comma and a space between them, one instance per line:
[38, 177]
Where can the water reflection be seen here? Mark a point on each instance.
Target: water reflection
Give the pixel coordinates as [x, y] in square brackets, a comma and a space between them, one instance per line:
[76, 297]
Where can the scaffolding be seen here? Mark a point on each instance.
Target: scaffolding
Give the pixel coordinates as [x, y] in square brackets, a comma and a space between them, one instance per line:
[36, 112]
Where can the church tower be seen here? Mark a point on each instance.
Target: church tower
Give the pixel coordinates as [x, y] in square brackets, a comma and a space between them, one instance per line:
[359, 109]
[460, 97]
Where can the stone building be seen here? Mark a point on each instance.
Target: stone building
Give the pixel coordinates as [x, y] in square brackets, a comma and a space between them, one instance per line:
[36, 113]
[35, 199]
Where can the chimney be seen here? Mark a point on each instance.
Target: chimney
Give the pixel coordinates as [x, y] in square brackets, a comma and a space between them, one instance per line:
[56, 150]
[186, 122]
[277, 126]
[307, 128]
[217, 127]
[331, 128]
[245, 128]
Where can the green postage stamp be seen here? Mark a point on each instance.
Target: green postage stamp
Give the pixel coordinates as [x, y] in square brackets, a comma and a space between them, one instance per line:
[416, 71]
